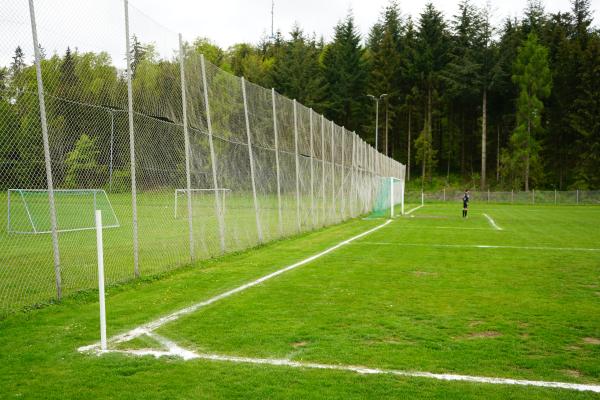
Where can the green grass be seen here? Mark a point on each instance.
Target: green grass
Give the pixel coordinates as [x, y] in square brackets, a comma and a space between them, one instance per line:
[26, 260]
[389, 300]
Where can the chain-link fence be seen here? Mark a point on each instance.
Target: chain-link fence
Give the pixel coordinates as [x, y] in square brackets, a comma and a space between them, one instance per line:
[103, 108]
[573, 197]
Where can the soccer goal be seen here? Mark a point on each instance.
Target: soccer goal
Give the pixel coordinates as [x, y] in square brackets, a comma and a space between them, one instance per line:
[389, 199]
[29, 210]
[200, 198]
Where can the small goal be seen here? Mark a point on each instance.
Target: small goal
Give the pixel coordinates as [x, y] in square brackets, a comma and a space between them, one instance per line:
[200, 198]
[29, 210]
[389, 199]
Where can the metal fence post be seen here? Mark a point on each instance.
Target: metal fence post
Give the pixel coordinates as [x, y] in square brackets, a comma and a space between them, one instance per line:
[555, 196]
[251, 156]
[112, 143]
[280, 216]
[333, 213]
[312, 172]
[297, 168]
[187, 148]
[577, 196]
[47, 159]
[131, 146]
[512, 196]
[353, 178]
[343, 177]
[213, 158]
[323, 191]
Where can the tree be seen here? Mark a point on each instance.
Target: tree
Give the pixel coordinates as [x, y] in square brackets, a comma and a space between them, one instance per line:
[532, 76]
[82, 164]
[345, 73]
[138, 54]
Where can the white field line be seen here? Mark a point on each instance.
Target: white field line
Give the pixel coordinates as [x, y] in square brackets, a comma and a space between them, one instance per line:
[477, 246]
[413, 210]
[153, 325]
[492, 222]
[174, 350]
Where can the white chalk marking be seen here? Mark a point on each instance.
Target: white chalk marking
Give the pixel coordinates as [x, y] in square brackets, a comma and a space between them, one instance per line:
[173, 350]
[153, 325]
[413, 210]
[477, 246]
[492, 222]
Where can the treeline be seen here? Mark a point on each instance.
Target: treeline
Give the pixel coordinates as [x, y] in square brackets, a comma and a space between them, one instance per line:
[511, 106]
[515, 106]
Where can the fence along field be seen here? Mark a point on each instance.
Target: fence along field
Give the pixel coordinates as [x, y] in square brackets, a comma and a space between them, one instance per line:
[279, 168]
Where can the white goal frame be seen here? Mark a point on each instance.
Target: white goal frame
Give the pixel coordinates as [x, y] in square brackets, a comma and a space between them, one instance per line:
[185, 191]
[392, 199]
[36, 231]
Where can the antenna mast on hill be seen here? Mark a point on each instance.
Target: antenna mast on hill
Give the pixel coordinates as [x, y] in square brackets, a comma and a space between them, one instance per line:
[272, 19]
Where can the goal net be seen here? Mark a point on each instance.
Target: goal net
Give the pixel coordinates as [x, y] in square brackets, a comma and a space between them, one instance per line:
[29, 210]
[201, 198]
[389, 198]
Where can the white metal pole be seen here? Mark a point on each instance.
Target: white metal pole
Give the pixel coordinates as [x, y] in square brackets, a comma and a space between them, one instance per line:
[112, 144]
[577, 196]
[101, 295]
[279, 213]
[47, 159]
[324, 202]
[312, 172]
[402, 188]
[343, 177]
[533, 196]
[353, 177]
[422, 197]
[298, 221]
[213, 159]
[555, 196]
[187, 148]
[333, 214]
[251, 156]
[131, 145]
[391, 197]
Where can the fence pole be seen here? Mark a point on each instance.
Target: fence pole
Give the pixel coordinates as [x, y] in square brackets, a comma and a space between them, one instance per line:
[555, 196]
[323, 166]
[186, 135]
[444, 195]
[251, 157]
[512, 196]
[280, 216]
[343, 177]
[112, 143]
[488, 194]
[333, 215]
[533, 196]
[131, 145]
[312, 172]
[213, 158]
[47, 159]
[297, 167]
[577, 196]
[353, 178]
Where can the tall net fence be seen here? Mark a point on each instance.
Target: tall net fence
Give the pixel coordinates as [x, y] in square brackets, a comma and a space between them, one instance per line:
[573, 197]
[185, 160]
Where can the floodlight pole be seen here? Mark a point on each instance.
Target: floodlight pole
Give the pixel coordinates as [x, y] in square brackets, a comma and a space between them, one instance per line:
[131, 144]
[187, 147]
[213, 158]
[47, 159]
[377, 100]
[251, 156]
[280, 216]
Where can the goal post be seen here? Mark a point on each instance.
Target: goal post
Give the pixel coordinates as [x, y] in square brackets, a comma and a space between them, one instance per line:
[28, 211]
[197, 195]
[389, 199]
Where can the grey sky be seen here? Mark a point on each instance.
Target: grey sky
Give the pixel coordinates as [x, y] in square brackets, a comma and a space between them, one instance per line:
[97, 25]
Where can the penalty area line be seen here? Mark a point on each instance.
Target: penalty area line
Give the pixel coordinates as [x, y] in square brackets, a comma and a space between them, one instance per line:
[413, 210]
[153, 325]
[476, 246]
[492, 222]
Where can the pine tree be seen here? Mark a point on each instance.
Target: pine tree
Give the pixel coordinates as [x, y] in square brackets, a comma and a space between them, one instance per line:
[532, 76]
[138, 54]
[345, 73]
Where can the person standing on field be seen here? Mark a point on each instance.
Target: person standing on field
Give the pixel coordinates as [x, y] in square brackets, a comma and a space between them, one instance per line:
[466, 199]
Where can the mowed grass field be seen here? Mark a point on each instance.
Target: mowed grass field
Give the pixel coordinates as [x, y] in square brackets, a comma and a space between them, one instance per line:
[428, 292]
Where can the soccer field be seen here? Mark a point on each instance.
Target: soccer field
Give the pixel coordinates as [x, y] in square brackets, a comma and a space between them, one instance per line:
[429, 305]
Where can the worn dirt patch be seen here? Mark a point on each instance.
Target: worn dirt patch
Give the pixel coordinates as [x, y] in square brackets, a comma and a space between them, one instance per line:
[591, 340]
[572, 373]
[473, 324]
[299, 344]
[483, 335]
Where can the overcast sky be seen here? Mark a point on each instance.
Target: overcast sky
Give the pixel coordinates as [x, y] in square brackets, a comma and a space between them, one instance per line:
[97, 25]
